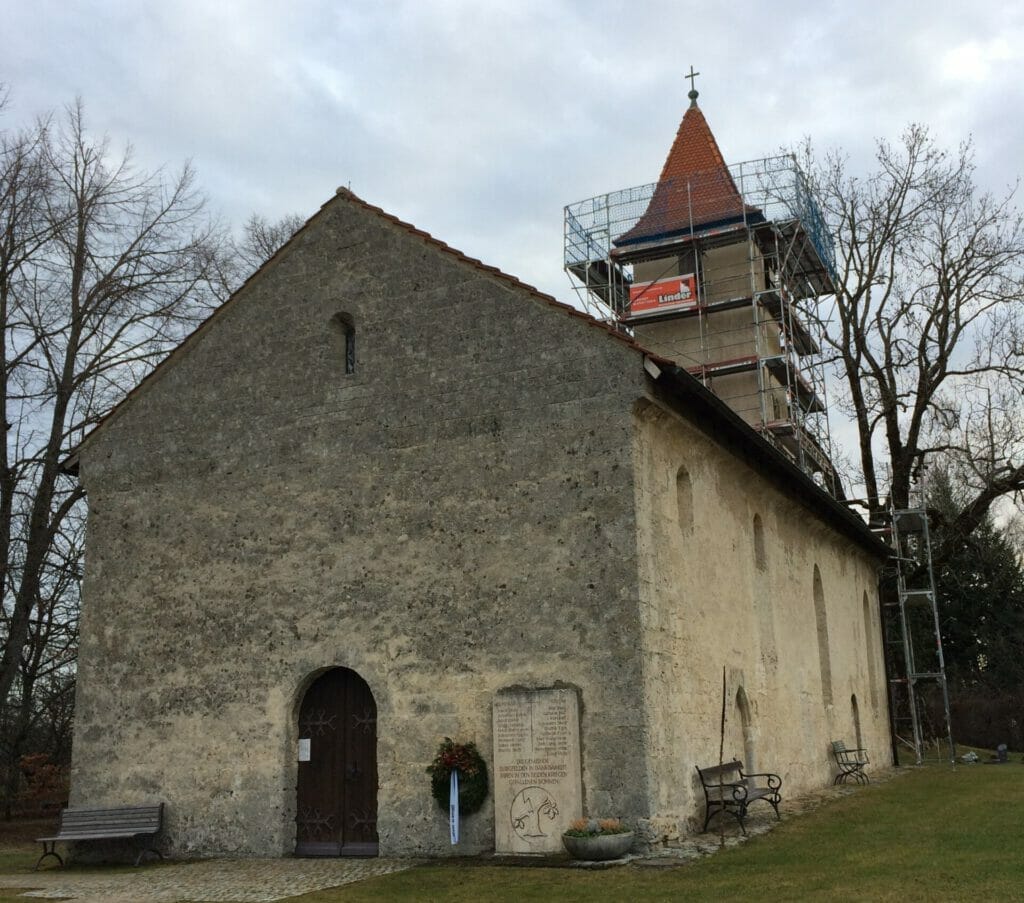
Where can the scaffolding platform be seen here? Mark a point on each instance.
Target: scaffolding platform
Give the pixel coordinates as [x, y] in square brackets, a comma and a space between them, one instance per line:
[777, 207]
[720, 271]
[783, 311]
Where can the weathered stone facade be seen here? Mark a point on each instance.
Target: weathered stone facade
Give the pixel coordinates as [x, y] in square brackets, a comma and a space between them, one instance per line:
[490, 500]
[728, 569]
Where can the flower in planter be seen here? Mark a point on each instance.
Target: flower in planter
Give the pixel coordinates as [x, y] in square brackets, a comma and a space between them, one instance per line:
[596, 827]
[597, 839]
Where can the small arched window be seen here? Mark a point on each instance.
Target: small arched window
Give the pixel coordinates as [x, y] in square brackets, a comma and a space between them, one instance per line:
[824, 654]
[344, 328]
[684, 500]
[760, 557]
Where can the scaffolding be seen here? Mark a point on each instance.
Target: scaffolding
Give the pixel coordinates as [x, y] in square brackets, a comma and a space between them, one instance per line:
[913, 633]
[753, 242]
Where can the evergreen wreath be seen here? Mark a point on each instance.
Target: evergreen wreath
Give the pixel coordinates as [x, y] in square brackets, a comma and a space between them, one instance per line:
[472, 769]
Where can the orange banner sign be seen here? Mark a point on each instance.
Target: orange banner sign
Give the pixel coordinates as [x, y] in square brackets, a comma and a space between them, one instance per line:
[662, 295]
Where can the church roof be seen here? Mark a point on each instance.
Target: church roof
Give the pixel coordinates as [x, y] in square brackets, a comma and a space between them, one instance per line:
[695, 190]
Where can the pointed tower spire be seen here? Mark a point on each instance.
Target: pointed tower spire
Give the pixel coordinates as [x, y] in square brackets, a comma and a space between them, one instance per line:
[695, 190]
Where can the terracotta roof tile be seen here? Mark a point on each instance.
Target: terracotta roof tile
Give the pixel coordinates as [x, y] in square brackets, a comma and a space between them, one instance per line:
[695, 187]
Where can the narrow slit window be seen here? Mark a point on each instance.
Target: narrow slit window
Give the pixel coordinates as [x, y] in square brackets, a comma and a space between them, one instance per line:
[760, 556]
[684, 500]
[855, 709]
[344, 328]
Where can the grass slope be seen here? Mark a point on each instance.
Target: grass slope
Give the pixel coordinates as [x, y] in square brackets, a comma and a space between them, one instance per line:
[936, 834]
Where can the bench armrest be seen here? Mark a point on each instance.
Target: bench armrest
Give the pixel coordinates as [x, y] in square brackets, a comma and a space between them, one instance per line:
[774, 781]
[734, 789]
[853, 757]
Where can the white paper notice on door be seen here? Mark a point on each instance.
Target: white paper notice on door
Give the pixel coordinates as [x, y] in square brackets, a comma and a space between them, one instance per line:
[304, 749]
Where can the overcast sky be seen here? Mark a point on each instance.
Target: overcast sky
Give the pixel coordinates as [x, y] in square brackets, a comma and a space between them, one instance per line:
[478, 121]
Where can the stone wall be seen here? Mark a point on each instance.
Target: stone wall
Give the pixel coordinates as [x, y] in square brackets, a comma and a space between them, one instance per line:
[454, 517]
[714, 597]
[482, 504]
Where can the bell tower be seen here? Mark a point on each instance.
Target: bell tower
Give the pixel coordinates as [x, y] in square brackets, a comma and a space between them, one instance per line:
[719, 268]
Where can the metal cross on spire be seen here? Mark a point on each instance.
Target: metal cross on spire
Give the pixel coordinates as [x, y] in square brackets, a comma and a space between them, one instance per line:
[693, 89]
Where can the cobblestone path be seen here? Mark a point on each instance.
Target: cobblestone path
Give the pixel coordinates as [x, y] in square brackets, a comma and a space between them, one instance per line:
[239, 880]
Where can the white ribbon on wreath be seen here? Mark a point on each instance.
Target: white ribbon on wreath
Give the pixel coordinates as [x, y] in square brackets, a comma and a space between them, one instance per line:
[453, 806]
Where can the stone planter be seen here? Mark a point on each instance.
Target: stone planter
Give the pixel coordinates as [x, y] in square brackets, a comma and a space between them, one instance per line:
[599, 847]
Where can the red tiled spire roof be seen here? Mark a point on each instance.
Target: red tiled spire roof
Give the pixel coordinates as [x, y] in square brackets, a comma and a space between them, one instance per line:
[695, 187]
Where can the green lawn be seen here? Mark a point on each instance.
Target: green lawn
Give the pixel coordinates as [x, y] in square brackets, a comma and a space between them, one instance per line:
[17, 852]
[932, 834]
[935, 834]
[16, 856]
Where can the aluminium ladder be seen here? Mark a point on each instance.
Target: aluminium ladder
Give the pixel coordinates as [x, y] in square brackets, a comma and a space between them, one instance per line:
[914, 612]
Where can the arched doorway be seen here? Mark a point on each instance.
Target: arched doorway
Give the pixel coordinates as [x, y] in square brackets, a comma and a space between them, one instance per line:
[336, 804]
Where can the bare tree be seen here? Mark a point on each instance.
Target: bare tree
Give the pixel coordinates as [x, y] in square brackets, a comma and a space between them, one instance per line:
[39, 714]
[259, 240]
[926, 330]
[103, 269]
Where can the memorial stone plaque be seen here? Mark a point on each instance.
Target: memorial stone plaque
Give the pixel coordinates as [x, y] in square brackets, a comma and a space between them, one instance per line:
[538, 786]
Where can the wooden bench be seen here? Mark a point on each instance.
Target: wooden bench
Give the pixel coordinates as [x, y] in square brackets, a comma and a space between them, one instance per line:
[105, 824]
[728, 789]
[851, 763]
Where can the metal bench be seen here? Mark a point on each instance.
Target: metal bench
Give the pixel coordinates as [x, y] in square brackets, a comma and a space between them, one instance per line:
[105, 824]
[851, 763]
[728, 789]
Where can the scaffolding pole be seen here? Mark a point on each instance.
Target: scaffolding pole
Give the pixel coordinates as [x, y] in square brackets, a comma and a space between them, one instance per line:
[789, 264]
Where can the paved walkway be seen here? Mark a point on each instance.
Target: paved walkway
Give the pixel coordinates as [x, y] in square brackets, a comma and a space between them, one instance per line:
[238, 880]
[267, 880]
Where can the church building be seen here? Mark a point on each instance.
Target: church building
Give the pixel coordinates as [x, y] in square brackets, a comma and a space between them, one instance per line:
[386, 493]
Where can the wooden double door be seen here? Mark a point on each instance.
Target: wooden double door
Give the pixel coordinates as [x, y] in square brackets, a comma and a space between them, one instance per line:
[336, 811]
